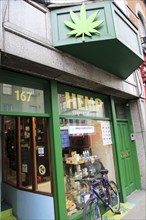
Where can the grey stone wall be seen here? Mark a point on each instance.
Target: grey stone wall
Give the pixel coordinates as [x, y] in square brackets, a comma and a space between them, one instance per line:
[26, 33]
[138, 111]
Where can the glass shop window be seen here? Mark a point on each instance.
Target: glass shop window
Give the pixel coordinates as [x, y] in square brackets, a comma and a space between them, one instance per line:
[86, 148]
[7, 89]
[42, 155]
[26, 157]
[10, 150]
[81, 105]
[26, 149]
[21, 99]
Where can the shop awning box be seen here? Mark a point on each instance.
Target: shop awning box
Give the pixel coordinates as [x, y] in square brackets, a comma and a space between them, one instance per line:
[110, 41]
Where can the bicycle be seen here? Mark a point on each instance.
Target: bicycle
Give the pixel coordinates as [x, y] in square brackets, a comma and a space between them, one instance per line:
[100, 189]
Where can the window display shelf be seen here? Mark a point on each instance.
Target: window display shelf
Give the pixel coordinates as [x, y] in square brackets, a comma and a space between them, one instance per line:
[74, 173]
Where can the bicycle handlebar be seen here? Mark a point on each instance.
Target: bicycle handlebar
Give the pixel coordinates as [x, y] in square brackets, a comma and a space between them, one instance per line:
[93, 179]
[89, 179]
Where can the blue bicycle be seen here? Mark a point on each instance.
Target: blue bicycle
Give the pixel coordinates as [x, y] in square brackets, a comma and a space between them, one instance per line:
[100, 189]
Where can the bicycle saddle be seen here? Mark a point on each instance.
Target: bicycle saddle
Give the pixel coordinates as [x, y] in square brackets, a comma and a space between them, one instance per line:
[104, 172]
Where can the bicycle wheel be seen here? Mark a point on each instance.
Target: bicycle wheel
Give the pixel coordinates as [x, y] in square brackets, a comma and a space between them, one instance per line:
[91, 210]
[114, 199]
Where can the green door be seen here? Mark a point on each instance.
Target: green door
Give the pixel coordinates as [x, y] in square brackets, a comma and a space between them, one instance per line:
[126, 156]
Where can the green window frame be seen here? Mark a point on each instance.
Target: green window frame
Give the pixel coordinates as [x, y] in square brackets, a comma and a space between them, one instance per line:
[33, 83]
[25, 81]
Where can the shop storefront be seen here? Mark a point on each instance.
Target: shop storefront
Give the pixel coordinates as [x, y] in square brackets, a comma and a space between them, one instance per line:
[52, 136]
[85, 126]
[25, 141]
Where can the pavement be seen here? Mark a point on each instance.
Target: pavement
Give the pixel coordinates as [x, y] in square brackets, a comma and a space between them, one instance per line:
[138, 198]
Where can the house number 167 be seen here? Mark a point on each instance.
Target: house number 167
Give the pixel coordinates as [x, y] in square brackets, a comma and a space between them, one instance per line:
[23, 96]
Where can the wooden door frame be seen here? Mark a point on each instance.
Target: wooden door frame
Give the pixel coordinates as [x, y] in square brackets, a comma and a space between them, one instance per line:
[126, 151]
[119, 168]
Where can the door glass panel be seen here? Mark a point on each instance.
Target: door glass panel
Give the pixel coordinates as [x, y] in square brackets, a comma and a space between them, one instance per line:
[120, 111]
[26, 152]
[10, 149]
[42, 156]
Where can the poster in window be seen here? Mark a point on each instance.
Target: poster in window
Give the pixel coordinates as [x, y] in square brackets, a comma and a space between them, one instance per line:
[24, 168]
[106, 133]
[41, 151]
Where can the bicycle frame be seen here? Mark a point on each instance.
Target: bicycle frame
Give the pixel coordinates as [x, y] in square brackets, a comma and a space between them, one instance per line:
[106, 192]
[105, 183]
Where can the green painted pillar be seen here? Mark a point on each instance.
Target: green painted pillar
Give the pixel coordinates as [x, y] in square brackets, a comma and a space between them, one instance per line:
[56, 155]
[119, 169]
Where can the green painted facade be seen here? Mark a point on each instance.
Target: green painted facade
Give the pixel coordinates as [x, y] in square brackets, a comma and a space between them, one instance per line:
[51, 111]
[115, 42]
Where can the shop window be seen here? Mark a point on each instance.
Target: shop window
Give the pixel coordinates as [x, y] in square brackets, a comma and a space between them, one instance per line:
[21, 99]
[7, 107]
[86, 148]
[7, 89]
[33, 108]
[42, 156]
[26, 152]
[26, 157]
[32, 91]
[10, 150]
[77, 104]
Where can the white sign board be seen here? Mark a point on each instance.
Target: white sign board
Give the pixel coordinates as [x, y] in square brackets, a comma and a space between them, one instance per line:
[81, 129]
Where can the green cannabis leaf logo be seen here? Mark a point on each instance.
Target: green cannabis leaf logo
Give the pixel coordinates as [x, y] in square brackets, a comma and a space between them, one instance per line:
[83, 25]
